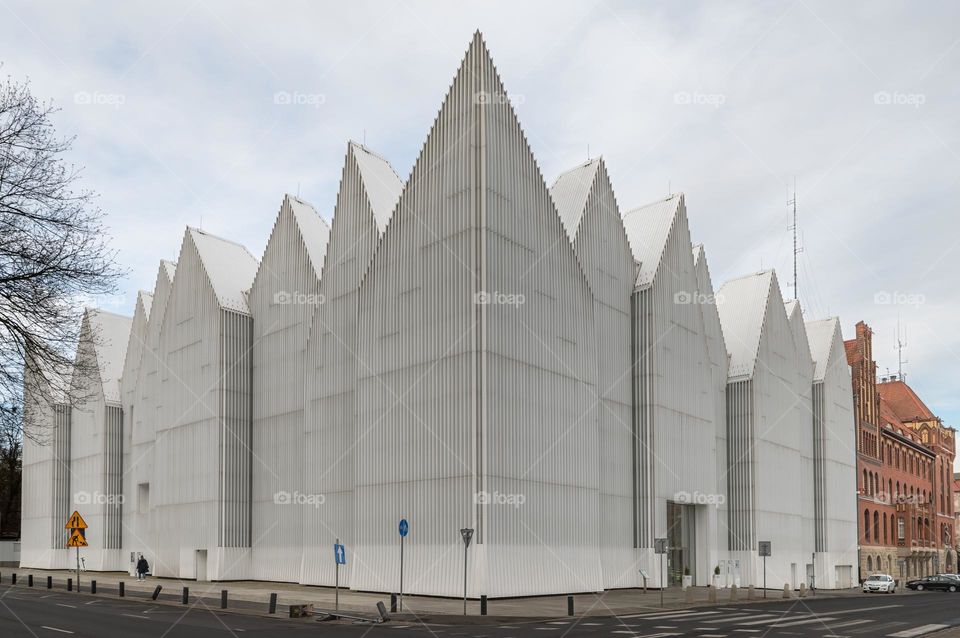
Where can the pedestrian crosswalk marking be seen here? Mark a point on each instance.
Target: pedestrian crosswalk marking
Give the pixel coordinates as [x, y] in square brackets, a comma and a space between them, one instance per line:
[802, 622]
[773, 619]
[671, 615]
[849, 623]
[918, 631]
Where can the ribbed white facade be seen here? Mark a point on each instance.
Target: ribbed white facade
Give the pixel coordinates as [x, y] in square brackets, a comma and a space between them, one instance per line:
[468, 348]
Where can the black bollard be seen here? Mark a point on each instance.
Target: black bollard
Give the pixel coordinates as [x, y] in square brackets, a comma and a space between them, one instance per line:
[93, 586]
[185, 598]
[223, 599]
[29, 580]
[69, 584]
[120, 588]
[273, 604]
[49, 582]
[483, 605]
[569, 605]
[13, 580]
[393, 603]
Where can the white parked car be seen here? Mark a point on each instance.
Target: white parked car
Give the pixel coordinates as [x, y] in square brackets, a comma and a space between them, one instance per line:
[880, 583]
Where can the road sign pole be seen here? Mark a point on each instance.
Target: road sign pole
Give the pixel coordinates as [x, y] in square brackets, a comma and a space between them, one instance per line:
[78, 569]
[466, 534]
[764, 576]
[401, 573]
[336, 578]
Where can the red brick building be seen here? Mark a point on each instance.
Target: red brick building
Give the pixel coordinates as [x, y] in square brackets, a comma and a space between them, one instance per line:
[904, 473]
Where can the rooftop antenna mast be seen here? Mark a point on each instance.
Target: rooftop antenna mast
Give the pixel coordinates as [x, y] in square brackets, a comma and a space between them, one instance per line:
[792, 202]
[901, 345]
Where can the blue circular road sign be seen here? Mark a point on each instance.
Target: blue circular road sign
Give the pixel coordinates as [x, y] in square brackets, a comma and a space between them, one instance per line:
[404, 527]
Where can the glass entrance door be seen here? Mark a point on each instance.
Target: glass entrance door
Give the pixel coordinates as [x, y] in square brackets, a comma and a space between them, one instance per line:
[680, 542]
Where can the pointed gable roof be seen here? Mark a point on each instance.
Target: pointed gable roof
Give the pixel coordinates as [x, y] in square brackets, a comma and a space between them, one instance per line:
[821, 336]
[230, 268]
[476, 120]
[111, 332]
[742, 305]
[313, 229]
[145, 301]
[381, 183]
[795, 318]
[707, 301]
[904, 402]
[648, 229]
[136, 341]
[570, 192]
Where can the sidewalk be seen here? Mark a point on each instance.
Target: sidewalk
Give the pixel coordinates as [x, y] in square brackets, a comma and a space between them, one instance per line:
[254, 596]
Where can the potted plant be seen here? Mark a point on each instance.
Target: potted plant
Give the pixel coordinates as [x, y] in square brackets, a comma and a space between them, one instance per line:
[716, 576]
[687, 578]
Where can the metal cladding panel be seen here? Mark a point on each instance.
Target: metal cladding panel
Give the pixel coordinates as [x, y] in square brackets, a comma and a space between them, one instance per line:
[741, 472]
[236, 458]
[184, 489]
[128, 392]
[604, 253]
[537, 435]
[717, 351]
[804, 370]
[96, 435]
[200, 496]
[282, 300]
[680, 399]
[834, 441]
[331, 368]
[138, 532]
[46, 479]
[476, 329]
[778, 420]
[87, 442]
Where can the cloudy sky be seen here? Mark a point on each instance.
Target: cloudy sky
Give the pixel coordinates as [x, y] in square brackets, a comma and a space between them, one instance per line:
[175, 110]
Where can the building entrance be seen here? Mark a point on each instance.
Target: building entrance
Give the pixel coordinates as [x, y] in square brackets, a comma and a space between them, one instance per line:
[681, 541]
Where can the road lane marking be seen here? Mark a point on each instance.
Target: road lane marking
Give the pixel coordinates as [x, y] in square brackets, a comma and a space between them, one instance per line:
[918, 631]
[135, 616]
[62, 631]
[65, 605]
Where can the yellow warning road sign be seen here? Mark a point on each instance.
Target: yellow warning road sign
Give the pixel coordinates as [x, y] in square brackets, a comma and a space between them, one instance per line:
[77, 539]
[75, 522]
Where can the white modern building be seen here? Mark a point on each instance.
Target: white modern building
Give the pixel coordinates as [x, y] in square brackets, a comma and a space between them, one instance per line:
[468, 348]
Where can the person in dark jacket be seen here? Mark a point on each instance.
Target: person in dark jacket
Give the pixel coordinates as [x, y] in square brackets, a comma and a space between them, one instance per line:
[142, 568]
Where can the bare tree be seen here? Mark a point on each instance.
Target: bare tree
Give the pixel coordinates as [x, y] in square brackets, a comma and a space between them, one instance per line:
[53, 257]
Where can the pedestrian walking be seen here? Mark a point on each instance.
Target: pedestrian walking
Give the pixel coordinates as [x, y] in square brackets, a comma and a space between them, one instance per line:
[142, 568]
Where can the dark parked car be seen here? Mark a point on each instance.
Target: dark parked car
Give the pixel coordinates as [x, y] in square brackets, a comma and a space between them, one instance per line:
[939, 583]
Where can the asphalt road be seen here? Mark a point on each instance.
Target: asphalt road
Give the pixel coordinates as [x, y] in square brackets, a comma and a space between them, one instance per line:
[38, 613]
